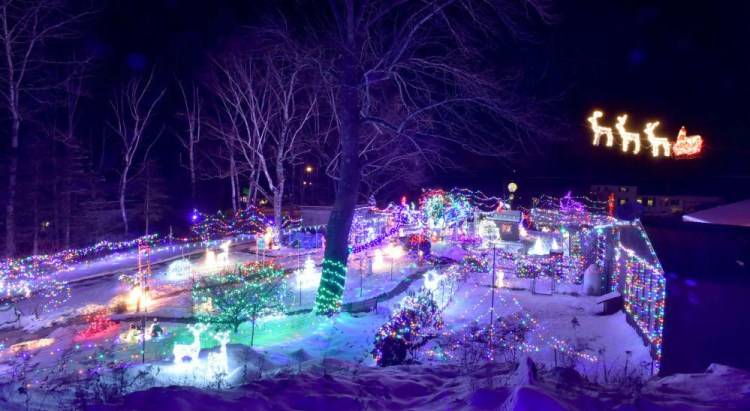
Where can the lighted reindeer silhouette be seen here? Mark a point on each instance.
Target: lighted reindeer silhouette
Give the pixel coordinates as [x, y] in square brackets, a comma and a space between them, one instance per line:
[222, 258]
[192, 350]
[628, 137]
[656, 142]
[217, 361]
[600, 131]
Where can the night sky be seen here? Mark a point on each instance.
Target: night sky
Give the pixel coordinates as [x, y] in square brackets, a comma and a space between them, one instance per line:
[682, 63]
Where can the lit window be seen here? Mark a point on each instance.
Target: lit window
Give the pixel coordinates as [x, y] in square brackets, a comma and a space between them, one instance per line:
[622, 201]
[640, 200]
[650, 202]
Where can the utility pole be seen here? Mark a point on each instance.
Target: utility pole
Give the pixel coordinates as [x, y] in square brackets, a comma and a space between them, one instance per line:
[492, 308]
[144, 274]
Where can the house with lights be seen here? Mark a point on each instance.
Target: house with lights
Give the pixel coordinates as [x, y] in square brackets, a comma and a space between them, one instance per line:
[655, 205]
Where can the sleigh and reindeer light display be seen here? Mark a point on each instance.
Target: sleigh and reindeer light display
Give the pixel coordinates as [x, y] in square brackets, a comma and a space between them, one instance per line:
[684, 147]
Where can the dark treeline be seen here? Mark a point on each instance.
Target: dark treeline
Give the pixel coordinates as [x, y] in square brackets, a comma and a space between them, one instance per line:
[121, 117]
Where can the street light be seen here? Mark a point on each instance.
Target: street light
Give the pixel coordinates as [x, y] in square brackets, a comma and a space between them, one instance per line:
[308, 170]
[512, 187]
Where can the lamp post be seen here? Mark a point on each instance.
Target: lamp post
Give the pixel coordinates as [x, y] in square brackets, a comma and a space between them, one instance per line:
[305, 182]
[512, 187]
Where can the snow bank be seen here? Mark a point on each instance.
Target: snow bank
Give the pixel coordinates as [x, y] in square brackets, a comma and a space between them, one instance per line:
[352, 387]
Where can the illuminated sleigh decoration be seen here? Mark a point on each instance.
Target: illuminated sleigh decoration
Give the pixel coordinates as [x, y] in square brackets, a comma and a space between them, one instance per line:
[687, 146]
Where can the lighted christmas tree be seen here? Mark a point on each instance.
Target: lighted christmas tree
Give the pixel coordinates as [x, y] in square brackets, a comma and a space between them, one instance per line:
[246, 293]
[308, 277]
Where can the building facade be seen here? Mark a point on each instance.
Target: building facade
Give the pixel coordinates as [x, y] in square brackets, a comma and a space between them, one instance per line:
[656, 205]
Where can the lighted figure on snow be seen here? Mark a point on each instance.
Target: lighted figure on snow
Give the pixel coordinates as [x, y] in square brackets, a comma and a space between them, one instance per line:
[190, 351]
[487, 229]
[268, 239]
[155, 330]
[538, 248]
[219, 260]
[432, 280]
[218, 362]
[377, 260]
[179, 270]
[309, 276]
[30, 345]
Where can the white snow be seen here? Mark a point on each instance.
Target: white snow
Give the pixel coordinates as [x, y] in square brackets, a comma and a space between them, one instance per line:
[325, 361]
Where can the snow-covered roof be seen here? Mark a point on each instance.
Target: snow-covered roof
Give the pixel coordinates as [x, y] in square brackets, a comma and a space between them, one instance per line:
[731, 214]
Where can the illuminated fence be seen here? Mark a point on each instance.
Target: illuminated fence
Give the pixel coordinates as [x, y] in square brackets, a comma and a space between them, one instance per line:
[642, 284]
[622, 254]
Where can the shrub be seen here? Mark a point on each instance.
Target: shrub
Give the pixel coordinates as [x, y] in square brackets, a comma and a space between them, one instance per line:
[120, 306]
[420, 243]
[408, 329]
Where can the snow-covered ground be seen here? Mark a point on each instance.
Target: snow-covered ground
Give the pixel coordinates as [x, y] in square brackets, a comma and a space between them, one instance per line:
[347, 386]
[302, 342]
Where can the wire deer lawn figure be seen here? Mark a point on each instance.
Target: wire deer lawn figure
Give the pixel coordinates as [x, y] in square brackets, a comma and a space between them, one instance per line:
[191, 351]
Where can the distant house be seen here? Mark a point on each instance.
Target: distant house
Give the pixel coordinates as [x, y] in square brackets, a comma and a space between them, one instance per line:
[707, 317]
[656, 205]
[313, 216]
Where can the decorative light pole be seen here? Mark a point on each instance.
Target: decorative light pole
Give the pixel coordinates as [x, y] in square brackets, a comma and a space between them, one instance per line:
[305, 182]
[512, 187]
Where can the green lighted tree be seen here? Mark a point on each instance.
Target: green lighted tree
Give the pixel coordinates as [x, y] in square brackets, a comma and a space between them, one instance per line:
[246, 293]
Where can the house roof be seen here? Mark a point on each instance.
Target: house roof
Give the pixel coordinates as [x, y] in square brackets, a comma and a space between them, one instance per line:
[716, 253]
[737, 214]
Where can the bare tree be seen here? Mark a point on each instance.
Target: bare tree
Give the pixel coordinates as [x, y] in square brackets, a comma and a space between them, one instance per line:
[270, 105]
[410, 73]
[133, 108]
[193, 121]
[27, 30]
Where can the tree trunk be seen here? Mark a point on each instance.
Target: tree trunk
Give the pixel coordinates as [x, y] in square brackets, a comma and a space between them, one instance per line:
[232, 178]
[35, 247]
[331, 290]
[35, 202]
[278, 194]
[192, 171]
[148, 196]
[252, 333]
[278, 198]
[67, 216]
[10, 215]
[123, 187]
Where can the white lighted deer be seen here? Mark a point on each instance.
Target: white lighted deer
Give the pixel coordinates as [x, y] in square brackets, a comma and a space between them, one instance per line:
[656, 142]
[192, 350]
[223, 257]
[628, 137]
[217, 361]
[600, 131]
